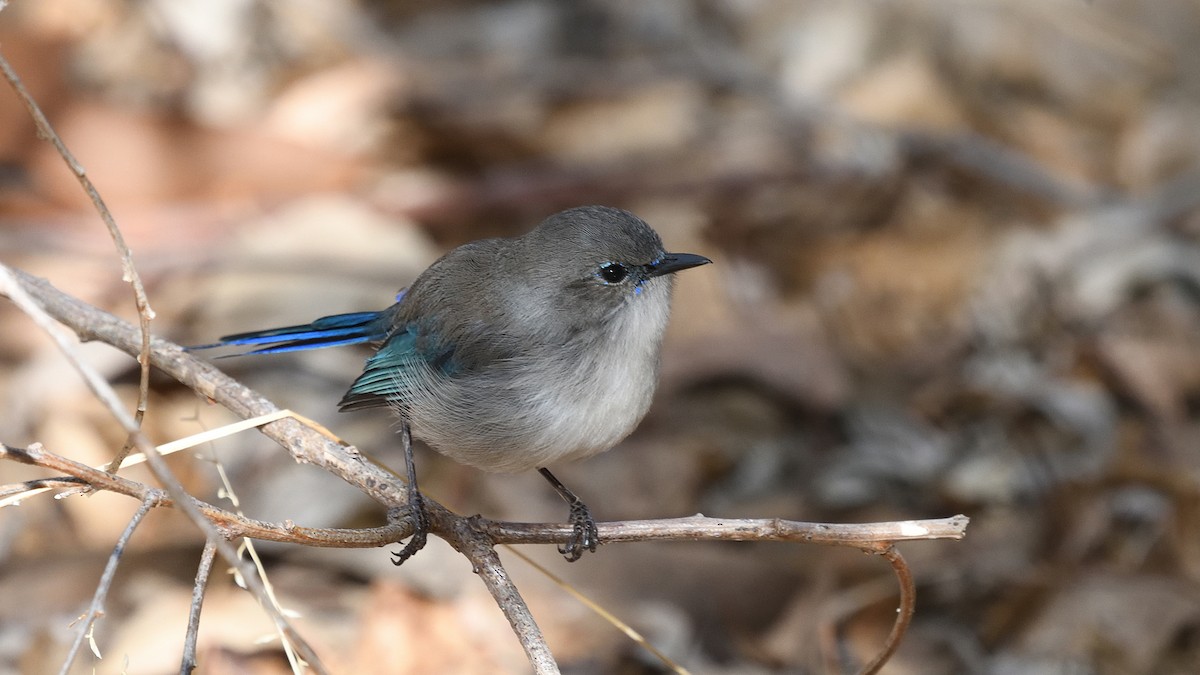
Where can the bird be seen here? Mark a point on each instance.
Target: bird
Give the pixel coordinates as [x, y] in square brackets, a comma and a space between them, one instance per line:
[510, 354]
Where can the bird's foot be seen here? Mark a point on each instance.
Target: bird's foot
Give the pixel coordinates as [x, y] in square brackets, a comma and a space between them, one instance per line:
[416, 513]
[584, 536]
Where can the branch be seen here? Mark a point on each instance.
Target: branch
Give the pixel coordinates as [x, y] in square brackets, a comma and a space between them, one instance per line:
[476, 537]
[462, 533]
[231, 525]
[96, 610]
[188, 662]
[449, 524]
[469, 538]
[306, 445]
[904, 613]
[129, 272]
[702, 528]
[11, 287]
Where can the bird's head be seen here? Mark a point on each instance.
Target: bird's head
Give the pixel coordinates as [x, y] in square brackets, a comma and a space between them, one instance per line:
[602, 258]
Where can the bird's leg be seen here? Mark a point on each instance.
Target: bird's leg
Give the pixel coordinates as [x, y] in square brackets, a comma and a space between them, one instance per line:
[585, 537]
[416, 508]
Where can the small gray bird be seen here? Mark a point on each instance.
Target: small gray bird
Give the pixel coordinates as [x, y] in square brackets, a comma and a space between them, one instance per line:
[511, 354]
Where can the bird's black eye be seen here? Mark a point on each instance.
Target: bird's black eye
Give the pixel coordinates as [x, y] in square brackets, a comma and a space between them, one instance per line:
[613, 273]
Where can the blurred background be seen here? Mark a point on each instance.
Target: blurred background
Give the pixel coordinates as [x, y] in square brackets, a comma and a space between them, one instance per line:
[957, 271]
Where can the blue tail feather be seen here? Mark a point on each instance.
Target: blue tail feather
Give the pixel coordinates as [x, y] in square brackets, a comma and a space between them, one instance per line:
[327, 331]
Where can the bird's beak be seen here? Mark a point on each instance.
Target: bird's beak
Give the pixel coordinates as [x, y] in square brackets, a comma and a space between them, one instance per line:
[674, 262]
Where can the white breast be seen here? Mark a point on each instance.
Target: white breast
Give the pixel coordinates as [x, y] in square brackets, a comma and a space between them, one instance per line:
[613, 384]
[530, 413]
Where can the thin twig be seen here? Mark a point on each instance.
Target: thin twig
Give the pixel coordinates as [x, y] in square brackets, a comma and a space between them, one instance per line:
[188, 662]
[629, 631]
[96, 610]
[13, 493]
[700, 527]
[248, 546]
[468, 539]
[128, 270]
[306, 444]
[231, 525]
[10, 286]
[471, 537]
[904, 613]
[694, 528]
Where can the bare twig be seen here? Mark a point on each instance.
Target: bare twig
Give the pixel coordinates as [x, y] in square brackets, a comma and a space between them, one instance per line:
[469, 539]
[307, 445]
[694, 528]
[96, 610]
[14, 493]
[904, 613]
[128, 271]
[251, 552]
[608, 616]
[701, 527]
[10, 286]
[475, 538]
[230, 525]
[188, 663]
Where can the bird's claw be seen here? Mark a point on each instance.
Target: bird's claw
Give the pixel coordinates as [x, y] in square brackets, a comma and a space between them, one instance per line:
[416, 512]
[584, 537]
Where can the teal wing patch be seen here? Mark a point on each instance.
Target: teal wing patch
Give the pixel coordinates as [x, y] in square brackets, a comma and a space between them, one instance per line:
[383, 381]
